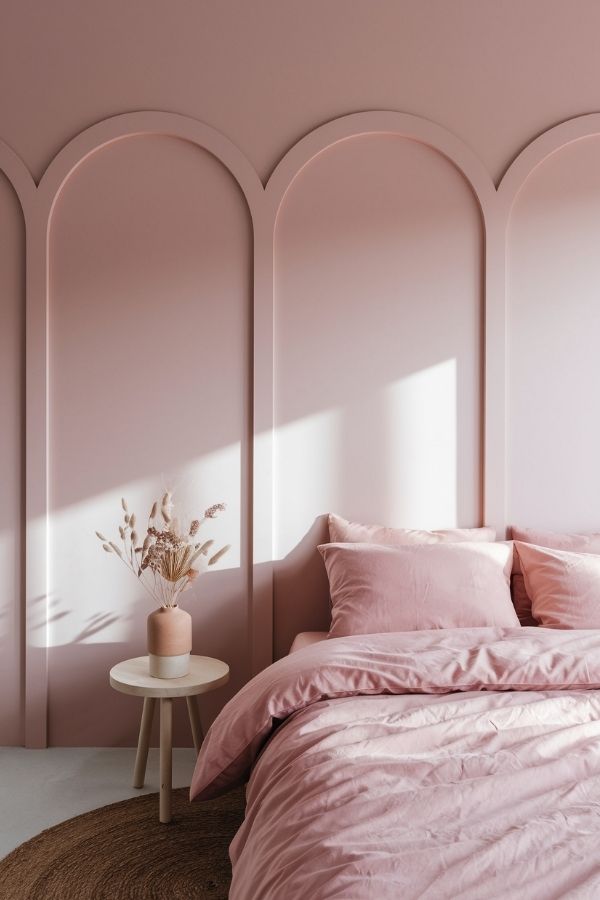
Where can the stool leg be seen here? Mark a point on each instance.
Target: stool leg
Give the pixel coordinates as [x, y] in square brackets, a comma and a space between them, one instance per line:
[195, 723]
[141, 758]
[166, 753]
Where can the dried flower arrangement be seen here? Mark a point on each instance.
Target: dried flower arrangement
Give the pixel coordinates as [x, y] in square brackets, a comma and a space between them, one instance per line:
[169, 559]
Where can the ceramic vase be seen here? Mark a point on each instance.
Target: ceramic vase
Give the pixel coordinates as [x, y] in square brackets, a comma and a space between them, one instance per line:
[169, 642]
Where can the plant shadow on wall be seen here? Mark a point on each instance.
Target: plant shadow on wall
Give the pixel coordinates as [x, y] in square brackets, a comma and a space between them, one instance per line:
[81, 655]
[100, 621]
[93, 625]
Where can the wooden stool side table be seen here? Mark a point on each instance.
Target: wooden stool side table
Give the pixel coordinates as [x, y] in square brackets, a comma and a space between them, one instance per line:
[133, 677]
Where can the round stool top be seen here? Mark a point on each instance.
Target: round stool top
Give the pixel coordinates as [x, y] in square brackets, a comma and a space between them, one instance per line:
[133, 677]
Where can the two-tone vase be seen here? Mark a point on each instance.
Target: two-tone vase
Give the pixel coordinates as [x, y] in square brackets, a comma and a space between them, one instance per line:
[169, 642]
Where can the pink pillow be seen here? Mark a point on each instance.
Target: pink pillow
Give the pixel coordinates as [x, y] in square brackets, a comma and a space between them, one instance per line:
[556, 540]
[376, 589]
[564, 587]
[342, 531]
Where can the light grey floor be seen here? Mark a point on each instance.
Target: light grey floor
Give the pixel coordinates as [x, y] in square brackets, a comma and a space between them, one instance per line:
[39, 788]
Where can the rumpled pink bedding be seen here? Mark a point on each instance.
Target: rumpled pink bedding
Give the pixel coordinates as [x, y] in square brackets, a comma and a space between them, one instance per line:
[438, 764]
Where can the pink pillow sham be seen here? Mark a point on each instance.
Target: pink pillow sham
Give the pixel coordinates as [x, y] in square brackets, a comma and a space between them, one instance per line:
[343, 532]
[564, 586]
[555, 540]
[378, 589]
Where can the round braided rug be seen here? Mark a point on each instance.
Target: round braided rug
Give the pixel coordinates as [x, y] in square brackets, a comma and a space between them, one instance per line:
[122, 852]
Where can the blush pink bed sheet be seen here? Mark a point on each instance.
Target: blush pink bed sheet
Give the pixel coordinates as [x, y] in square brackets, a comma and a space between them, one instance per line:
[306, 638]
[443, 764]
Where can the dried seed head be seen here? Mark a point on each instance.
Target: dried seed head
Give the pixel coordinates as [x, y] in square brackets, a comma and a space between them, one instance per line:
[154, 510]
[206, 547]
[139, 550]
[147, 542]
[211, 512]
[164, 513]
[107, 547]
[126, 517]
[134, 537]
[194, 527]
[101, 536]
[219, 554]
[166, 498]
[115, 548]
[124, 504]
[132, 520]
[122, 532]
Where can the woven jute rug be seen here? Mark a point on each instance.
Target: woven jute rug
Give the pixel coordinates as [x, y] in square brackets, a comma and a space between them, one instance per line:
[122, 852]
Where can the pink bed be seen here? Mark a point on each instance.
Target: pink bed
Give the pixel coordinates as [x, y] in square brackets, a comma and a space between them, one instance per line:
[460, 763]
[306, 639]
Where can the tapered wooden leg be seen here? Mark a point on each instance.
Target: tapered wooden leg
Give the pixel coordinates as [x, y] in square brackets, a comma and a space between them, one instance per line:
[141, 758]
[195, 723]
[166, 753]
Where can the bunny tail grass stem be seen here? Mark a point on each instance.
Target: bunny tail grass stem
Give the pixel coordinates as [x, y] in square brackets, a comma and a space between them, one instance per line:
[214, 559]
[144, 585]
[159, 588]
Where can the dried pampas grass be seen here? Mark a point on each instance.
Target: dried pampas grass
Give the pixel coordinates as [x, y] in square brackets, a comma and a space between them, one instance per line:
[164, 563]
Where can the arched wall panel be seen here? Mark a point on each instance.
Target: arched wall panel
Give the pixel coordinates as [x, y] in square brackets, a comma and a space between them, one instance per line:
[150, 260]
[12, 394]
[554, 327]
[378, 352]
[147, 201]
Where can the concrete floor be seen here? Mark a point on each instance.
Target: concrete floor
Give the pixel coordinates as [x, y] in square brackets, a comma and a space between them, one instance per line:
[39, 788]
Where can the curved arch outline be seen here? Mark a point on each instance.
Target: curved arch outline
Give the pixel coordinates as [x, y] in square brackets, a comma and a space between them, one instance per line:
[403, 125]
[19, 176]
[127, 125]
[38, 222]
[514, 179]
[468, 164]
[539, 150]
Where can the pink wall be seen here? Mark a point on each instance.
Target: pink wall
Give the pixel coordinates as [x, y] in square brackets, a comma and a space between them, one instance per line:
[379, 302]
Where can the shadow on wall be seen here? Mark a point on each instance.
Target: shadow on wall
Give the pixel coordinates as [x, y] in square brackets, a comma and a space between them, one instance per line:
[83, 706]
[80, 697]
[301, 589]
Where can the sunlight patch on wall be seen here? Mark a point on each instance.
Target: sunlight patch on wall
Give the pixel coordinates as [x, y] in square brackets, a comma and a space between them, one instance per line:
[307, 454]
[93, 597]
[388, 455]
[422, 447]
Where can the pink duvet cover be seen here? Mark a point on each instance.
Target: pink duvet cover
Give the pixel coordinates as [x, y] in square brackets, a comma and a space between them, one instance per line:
[439, 764]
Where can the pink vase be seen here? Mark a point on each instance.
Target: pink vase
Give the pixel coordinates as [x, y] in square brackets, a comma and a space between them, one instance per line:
[169, 642]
